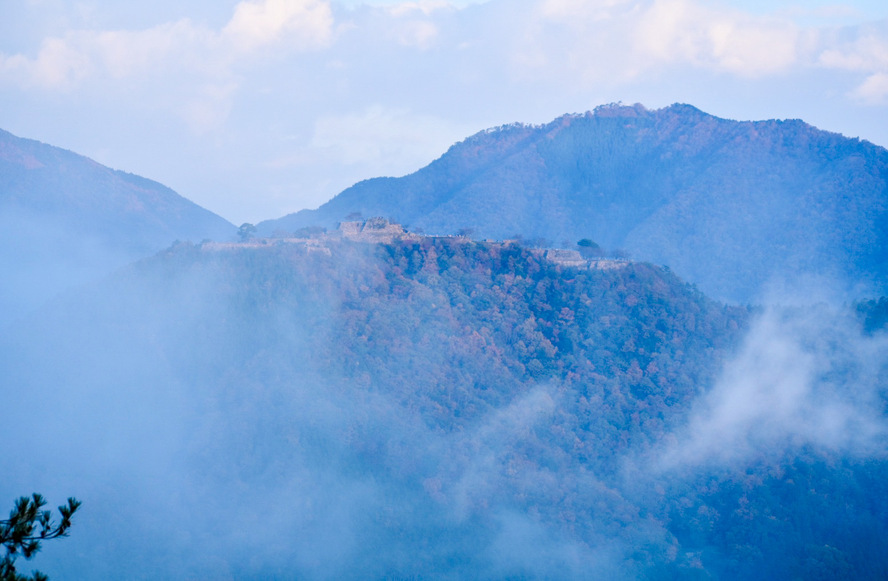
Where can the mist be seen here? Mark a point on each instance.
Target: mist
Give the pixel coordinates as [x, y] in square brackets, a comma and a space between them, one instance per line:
[226, 413]
[805, 376]
[207, 441]
[44, 256]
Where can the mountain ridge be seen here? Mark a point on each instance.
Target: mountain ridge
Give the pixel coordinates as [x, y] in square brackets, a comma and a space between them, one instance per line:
[463, 409]
[65, 219]
[730, 205]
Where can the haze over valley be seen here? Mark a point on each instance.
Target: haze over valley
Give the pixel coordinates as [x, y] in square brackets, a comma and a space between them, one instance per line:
[444, 289]
[331, 396]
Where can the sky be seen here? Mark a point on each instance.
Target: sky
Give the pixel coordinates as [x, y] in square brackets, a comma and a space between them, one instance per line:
[258, 108]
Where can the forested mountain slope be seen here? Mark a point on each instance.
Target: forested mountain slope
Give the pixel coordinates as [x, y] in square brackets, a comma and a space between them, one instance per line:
[439, 408]
[736, 207]
[65, 219]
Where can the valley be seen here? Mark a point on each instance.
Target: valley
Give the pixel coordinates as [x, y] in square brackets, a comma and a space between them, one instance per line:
[552, 353]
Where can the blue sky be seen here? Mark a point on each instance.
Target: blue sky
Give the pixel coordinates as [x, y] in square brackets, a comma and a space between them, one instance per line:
[257, 108]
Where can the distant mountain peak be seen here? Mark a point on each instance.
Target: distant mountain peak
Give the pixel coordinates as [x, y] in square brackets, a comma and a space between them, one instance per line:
[619, 110]
[733, 206]
[66, 219]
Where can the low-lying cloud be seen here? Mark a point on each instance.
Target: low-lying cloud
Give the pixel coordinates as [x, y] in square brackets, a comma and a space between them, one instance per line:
[804, 377]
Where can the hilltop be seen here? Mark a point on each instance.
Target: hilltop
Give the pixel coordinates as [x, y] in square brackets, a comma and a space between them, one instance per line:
[490, 390]
[733, 206]
[334, 373]
[379, 230]
[371, 403]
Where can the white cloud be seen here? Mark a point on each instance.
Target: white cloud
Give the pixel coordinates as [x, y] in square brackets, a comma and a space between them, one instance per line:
[300, 23]
[125, 53]
[623, 41]
[419, 34]
[803, 377]
[425, 7]
[864, 54]
[386, 87]
[86, 54]
[62, 63]
[689, 32]
[572, 11]
[413, 24]
[874, 89]
[867, 54]
[57, 65]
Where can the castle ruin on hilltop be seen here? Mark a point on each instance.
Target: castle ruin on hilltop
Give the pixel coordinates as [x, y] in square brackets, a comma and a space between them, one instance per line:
[380, 230]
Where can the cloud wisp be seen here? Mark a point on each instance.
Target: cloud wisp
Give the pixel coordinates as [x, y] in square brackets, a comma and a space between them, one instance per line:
[61, 62]
[804, 377]
[269, 71]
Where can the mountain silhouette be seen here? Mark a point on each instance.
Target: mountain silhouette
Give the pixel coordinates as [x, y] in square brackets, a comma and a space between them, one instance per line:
[67, 220]
[735, 207]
